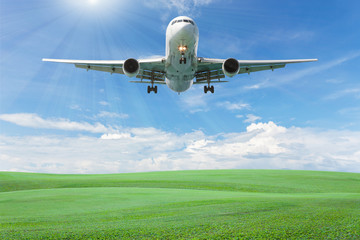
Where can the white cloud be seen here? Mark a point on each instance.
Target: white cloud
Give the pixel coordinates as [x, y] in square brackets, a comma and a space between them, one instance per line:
[262, 145]
[288, 35]
[230, 44]
[354, 92]
[255, 86]
[35, 121]
[104, 103]
[233, 106]
[250, 118]
[75, 107]
[193, 101]
[350, 110]
[182, 7]
[351, 113]
[104, 114]
[316, 68]
[334, 81]
[116, 136]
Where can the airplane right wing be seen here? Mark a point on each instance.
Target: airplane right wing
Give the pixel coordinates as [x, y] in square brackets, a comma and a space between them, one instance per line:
[212, 69]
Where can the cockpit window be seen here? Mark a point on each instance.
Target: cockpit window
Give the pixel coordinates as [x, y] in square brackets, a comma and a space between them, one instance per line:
[182, 20]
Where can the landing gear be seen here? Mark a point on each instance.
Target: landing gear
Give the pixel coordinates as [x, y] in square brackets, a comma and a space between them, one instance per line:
[152, 89]
[182, 60]
[209, 88]
[182, 49]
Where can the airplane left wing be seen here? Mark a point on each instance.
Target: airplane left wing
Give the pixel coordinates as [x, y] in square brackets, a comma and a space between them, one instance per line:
[150, 69]
[211, 69]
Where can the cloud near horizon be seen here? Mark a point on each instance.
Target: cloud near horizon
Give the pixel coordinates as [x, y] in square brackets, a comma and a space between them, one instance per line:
[261, 146]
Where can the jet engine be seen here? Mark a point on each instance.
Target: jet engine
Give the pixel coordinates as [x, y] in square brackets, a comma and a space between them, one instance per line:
[231, 67]
[131, 67]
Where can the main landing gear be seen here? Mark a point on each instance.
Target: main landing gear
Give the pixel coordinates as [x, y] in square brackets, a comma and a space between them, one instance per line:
[152, 89]
[209, 88]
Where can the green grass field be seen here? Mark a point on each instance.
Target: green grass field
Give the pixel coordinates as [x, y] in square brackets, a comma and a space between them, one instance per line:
[219, 204]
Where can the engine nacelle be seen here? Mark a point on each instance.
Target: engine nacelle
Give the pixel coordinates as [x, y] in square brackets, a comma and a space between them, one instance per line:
[231, 67]
[131, 67]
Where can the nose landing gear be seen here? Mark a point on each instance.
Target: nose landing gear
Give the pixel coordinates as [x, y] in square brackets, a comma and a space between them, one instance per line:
[182, 49]
[183, 60]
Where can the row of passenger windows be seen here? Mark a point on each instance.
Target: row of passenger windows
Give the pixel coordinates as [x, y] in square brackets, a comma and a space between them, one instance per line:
[182, 20]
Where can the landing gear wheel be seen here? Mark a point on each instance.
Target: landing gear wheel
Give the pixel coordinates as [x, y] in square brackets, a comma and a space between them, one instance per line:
[182, 60]
[209, 88]
[152, 89]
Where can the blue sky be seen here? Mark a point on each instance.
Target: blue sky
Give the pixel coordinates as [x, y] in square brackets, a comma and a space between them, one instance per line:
[59, 119]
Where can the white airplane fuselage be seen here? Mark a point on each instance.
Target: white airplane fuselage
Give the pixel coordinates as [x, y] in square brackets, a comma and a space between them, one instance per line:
[181, 53]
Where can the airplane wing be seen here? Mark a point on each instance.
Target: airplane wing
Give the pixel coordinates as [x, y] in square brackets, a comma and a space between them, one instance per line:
[210, 68]
[153, 68]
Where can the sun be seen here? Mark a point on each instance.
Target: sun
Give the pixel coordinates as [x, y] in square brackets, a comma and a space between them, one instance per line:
[92, 9]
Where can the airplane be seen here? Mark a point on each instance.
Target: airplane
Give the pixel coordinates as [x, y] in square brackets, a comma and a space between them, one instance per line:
[181, 67]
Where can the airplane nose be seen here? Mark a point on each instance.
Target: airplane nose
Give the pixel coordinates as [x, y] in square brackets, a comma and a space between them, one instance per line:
[188, 27]
[186, 30]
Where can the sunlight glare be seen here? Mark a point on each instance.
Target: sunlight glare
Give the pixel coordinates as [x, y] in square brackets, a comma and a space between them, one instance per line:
[94, 9]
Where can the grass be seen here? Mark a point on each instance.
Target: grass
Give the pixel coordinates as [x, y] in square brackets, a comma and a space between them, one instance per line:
[219, 204]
